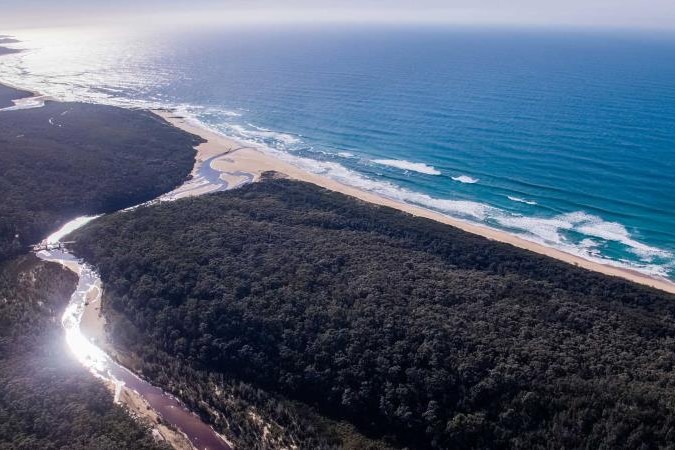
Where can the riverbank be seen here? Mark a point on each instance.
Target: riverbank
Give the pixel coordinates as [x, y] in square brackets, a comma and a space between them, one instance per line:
[86, 167]
[40, 377]
[242, 158]
[92, 327]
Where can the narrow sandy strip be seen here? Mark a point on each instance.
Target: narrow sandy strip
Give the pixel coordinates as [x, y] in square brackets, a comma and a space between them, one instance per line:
[256, 161]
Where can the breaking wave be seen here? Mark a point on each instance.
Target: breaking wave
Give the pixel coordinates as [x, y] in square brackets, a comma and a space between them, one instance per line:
[407, 165]
[521, 200]
[466, 179]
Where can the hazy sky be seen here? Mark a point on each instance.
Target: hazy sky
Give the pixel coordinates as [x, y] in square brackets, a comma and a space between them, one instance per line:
[650, 14]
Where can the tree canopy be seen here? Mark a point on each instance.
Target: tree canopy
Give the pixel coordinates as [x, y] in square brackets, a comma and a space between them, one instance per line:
[417, 333]
[69, 159]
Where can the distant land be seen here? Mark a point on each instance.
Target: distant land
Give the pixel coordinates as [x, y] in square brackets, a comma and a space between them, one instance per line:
[7, 94]
[7, 51]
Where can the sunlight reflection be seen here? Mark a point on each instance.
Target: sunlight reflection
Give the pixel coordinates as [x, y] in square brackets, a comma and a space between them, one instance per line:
[68, 228]
[77, 63]
[86, 352]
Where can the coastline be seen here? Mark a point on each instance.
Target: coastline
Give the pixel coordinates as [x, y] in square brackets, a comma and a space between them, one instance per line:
[237, 157]
[26, 98]
[233, 158]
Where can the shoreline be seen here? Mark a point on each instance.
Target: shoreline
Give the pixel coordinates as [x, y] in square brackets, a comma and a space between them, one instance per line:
[238, 157]
[232, 157]
[31, 100]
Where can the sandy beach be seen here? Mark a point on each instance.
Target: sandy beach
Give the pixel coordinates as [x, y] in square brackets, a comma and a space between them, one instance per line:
[240, 157]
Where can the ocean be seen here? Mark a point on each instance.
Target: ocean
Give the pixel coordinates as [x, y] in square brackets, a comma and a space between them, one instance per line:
[565, 138]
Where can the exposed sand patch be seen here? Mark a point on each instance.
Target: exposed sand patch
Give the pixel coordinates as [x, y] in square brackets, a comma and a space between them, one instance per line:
[141, 410]
[93, 323]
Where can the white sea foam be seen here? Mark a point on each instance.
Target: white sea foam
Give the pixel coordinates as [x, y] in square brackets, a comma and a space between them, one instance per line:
[552, 231]
[466, 179]
[611, 231]
[407, 165]
[221, 112]
[26, 103]
[262, 135]
[545, 230]
[346, 154]
[521, 200]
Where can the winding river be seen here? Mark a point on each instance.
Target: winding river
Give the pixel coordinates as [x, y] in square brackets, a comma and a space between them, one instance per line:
[99, 363]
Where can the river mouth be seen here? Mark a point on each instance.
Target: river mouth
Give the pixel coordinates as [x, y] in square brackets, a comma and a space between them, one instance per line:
[138, 394]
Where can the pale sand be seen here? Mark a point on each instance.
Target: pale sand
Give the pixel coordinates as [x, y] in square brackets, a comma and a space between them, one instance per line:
[256, 161]
[140, 409]
[93, 322]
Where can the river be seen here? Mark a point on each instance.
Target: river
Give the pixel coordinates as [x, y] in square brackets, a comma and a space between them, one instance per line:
[171, 410]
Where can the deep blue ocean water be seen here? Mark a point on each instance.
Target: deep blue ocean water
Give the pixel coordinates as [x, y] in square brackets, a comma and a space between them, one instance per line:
[566, 138]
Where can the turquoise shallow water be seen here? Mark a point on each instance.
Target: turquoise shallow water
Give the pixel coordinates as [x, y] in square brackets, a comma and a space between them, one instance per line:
[564, 138]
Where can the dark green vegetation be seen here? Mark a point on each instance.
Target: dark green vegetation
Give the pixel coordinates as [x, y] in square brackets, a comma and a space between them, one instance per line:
[70, 159]
[414, 331]
[47, 400]
[7, 94]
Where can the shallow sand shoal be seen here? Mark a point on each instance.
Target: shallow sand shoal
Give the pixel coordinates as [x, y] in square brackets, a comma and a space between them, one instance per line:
[141, 409]
[93, 323]
[243, 158]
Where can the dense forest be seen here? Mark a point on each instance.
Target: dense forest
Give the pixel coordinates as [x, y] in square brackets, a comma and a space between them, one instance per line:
[70, 159]
[417, 333]
[47, 400]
